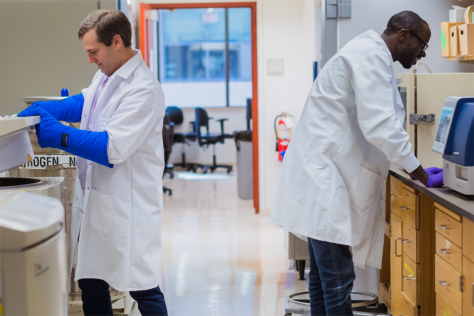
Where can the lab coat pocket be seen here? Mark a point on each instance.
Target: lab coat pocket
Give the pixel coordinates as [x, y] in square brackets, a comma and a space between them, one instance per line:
[365, 191]
[101, 211]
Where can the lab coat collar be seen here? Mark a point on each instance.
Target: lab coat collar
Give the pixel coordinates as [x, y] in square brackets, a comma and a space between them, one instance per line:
[378, 39]
[126, 70]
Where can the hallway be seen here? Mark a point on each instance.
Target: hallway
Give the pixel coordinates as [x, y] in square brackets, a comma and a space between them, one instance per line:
[219, 258]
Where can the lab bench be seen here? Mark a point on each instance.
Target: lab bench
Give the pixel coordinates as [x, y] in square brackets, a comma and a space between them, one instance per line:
[428, 259]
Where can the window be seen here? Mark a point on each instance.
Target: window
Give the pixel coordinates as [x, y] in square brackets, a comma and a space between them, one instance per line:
[204, 56]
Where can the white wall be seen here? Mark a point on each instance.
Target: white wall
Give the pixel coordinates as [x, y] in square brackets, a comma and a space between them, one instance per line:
[39, 50]
[286, 29]
[374, 14]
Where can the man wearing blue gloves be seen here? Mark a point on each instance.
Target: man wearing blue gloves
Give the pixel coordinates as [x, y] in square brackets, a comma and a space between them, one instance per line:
[117, 207]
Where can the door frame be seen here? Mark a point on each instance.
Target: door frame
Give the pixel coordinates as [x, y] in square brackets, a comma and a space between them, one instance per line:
[253, 7]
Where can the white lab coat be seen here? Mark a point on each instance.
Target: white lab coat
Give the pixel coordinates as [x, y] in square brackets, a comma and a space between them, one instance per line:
[117, 213]
[333, 176]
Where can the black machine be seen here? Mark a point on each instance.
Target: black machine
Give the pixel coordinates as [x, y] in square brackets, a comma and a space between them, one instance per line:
[168, 127]
[176, 116]
[206, 139]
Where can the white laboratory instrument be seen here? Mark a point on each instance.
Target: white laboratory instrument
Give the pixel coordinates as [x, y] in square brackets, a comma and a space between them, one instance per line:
[32, 237]
[455, 141]
[15, 146]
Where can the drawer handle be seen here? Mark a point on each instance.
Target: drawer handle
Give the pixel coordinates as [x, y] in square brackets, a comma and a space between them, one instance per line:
[443, 227]
[396, 248]
[404, 208]
[472, 294]
[443, 283]
[445, 251]
[405, 241]
[392, 195]
[408, 278]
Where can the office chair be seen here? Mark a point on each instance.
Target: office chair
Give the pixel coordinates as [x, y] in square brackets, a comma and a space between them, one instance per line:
[248, 113]
[167, 145]
[202, 120]
[176, 116]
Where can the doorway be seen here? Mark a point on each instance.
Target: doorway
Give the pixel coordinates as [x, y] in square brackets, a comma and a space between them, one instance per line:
[212, 59]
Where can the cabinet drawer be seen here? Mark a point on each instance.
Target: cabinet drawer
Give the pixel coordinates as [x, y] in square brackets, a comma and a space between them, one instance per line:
[448, 227]
[468, 239]
[447, 283]
[451, 253]
[468, 287]
[409, 279]
[396, 195]
[443, 308]
[407, 308]
[409, 238]
[410, 209]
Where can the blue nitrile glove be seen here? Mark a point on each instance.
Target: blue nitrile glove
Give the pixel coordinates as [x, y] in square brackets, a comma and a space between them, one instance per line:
[68, 110]
[435, 180]
[88, 145]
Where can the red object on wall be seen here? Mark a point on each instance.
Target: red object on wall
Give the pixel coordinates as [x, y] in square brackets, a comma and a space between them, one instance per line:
[282, 146]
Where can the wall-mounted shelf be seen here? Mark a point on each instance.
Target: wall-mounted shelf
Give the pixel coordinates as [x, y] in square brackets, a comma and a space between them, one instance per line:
[461, 58]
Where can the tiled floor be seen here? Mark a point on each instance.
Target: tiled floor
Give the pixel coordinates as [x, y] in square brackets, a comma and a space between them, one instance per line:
[219, 258]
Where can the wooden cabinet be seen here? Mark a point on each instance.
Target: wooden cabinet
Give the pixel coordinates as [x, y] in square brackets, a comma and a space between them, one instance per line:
[447, 283]
[449, 252]
[468, 267]
[468, 239]
[468, 287]
[431, 255]
[409, 279]
[395, 263]
[449, 227]
[443, 308]
[411, 264]
[409, 240]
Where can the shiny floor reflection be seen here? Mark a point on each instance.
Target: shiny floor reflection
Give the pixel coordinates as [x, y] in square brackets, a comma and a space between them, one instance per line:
[219, 258]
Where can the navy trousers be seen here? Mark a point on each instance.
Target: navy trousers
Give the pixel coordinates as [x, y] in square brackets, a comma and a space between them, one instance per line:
[331, 278]
[96, 299]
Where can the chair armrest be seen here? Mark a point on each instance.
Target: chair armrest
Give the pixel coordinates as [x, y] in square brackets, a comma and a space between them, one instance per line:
[194, 127]
[222, 124]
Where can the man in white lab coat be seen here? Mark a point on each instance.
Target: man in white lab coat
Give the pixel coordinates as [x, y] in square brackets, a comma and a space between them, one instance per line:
[117, 208]
[331, 188]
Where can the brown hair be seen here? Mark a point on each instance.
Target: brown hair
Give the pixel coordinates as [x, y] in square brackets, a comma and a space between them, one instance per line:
[107, 24]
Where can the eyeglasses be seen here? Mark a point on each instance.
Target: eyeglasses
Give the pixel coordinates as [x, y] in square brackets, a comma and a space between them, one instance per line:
[425, 45]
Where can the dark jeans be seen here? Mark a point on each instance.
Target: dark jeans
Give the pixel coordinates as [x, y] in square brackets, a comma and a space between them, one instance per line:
[96, 299]
[330, 278]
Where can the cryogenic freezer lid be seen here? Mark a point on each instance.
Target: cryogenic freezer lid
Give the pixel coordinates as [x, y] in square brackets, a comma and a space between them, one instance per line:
[27, 219]
[10, 125]
[15, 144]
[33, 99]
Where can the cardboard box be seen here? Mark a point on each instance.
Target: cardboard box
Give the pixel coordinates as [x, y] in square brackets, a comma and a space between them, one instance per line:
[453, 41]
[466, 39]
[446, 38]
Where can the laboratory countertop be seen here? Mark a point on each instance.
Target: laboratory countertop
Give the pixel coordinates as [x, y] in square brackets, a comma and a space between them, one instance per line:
[456, 202]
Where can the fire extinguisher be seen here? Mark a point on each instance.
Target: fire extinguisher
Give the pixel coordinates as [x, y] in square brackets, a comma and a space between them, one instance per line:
[283, 127]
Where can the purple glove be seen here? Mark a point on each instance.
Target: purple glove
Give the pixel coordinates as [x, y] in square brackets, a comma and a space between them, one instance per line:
[435, 180]
[433, 170]
[430, 171]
